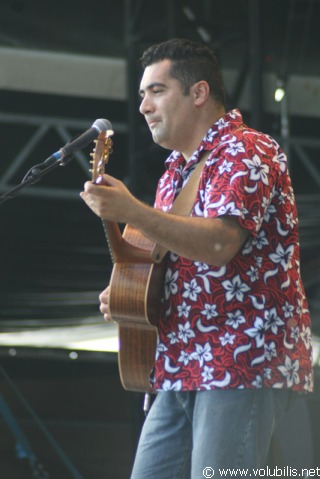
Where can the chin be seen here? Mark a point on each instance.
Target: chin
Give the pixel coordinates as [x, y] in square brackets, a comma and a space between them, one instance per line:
[158, 139]
[162, 143]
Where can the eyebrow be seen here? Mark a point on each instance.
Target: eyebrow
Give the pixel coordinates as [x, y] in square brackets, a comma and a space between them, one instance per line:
[150, 87]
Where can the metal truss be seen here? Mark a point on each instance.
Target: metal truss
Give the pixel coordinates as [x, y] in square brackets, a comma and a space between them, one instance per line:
[43, 127]
[298, 149]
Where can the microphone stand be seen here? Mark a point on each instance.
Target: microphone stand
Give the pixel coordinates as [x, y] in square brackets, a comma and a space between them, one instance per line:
[23, 448]
[35, 174]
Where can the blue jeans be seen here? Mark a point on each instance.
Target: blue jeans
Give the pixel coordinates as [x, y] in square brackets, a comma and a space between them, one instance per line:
[187, 432]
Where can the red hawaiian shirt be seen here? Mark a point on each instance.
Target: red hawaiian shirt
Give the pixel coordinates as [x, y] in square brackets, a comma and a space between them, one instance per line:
[246, 324]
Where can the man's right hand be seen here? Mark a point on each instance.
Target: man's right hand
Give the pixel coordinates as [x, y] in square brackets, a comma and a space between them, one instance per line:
[104, 304]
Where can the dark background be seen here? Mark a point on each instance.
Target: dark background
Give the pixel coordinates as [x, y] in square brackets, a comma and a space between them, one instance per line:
[53, 257]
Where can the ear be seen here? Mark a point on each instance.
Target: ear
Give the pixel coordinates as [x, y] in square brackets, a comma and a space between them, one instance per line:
[201, 92]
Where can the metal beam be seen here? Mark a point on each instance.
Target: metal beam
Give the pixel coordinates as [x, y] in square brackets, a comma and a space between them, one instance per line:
[105, 77]
[43, 126]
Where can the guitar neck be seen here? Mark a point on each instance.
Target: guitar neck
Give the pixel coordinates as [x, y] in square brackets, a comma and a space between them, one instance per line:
[121, 250]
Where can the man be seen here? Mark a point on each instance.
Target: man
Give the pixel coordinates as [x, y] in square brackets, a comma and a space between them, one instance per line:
[234, 330]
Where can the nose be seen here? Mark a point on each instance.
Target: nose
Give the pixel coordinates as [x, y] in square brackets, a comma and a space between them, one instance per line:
[145, 105]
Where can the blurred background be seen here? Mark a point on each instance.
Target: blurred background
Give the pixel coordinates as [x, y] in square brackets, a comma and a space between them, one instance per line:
[62, 66]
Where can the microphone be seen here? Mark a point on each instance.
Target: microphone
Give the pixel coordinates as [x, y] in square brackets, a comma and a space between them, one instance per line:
[81, 141]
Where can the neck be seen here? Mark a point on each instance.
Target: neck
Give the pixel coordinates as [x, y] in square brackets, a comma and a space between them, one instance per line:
[203, 127]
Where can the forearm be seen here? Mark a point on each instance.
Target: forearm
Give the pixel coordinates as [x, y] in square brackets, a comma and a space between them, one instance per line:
[209, 240]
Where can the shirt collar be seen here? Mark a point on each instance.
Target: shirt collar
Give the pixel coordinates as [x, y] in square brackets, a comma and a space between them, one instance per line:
[224, 125]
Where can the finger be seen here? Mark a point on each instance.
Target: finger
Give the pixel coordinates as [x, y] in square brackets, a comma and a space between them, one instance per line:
[104, 308]
[88, 199]
[110, 180]
[104, 295]
[90, 188]
[106, 313]
[107, 318]
[97, 186]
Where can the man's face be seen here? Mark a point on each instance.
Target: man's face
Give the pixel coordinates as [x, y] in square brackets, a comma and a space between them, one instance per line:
[168, 112]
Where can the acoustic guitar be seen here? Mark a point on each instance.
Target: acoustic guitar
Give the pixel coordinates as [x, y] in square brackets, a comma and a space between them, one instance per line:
[136, 288]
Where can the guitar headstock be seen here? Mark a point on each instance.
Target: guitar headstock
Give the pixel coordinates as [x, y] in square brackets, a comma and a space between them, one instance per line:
[100, 155]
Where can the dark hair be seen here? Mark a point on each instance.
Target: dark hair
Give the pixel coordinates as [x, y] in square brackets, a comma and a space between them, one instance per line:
[191, 62]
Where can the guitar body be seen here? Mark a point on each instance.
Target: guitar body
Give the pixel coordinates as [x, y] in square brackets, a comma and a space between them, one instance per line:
[136, 289]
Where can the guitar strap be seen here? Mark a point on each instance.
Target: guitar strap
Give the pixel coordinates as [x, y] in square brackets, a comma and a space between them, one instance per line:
[183, 203]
